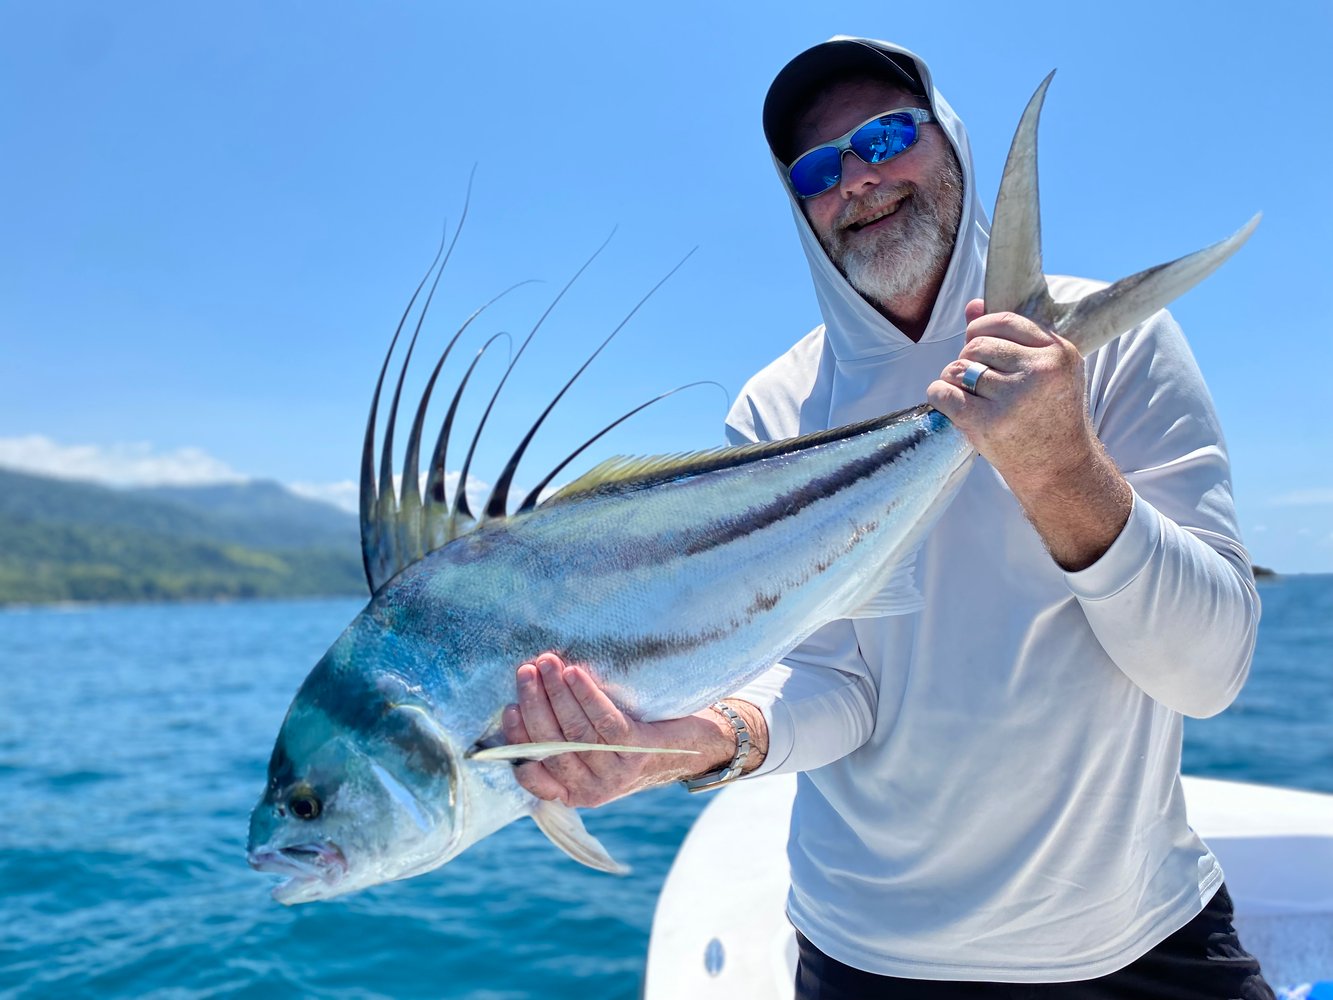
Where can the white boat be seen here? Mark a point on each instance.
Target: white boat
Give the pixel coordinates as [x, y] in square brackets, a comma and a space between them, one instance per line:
[720, 929]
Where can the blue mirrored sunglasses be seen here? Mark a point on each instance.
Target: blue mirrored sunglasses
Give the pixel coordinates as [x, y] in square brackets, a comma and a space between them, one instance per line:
[881, 138]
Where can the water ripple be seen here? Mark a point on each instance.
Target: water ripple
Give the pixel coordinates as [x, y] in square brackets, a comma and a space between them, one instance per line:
[133, 741]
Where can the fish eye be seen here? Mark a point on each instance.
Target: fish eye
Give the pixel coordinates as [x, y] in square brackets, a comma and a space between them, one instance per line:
[303, 802]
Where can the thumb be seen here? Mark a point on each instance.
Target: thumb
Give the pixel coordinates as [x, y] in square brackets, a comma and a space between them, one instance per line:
[974, 310]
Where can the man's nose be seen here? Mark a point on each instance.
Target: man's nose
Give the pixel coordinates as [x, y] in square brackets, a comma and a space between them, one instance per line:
[858, 177]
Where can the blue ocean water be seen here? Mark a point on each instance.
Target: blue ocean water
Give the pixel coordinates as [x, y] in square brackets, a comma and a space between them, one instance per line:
[133, 742]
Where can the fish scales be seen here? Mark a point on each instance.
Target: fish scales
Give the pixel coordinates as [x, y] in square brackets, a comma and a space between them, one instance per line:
[685, 581]
[675, 580]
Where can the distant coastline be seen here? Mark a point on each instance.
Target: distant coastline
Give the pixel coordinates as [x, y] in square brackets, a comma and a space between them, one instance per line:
[71, 542]
[89, 605]
[65, 542]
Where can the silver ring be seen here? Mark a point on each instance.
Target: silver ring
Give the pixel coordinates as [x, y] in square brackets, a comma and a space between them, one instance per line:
[975, 369]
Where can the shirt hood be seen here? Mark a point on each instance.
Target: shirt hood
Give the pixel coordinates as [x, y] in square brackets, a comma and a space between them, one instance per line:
[854, 328]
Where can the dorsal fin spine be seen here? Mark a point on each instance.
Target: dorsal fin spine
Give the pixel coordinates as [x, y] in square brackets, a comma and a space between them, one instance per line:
[409, 477]
[408, 526]
[460, 496]
[499, 499]
[401, 526]
[530, 501]
[374, 550]
[460, 505]
[435, 473]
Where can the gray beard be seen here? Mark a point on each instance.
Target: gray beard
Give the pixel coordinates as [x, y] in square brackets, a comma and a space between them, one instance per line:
[910, 257]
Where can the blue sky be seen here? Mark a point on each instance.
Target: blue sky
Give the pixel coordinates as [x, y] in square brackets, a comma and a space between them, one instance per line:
[212, 214]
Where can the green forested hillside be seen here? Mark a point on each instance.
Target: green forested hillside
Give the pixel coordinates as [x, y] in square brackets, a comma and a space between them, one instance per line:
[72, 541]
[262, 514]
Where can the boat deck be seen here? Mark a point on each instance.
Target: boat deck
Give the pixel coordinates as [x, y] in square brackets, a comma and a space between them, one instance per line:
[720, 929]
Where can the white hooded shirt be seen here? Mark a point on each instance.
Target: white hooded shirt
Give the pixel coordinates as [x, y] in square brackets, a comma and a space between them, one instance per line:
[989, 788]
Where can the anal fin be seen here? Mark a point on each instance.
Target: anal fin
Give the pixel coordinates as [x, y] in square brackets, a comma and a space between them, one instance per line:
[565, 829]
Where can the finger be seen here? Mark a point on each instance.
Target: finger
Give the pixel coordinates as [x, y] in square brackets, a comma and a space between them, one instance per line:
[989, 383]
[609, 721]
[534, 776]
[1004, 355]
[535, 706]
[1011, 327]
[531, 774]
[955, 403]
[946, 397]
[567, 720]
[574, 721]
[549, 657]
[511, 724]
[974, 310]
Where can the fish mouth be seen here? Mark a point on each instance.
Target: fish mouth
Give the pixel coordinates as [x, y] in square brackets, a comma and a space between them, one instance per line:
[309, 868]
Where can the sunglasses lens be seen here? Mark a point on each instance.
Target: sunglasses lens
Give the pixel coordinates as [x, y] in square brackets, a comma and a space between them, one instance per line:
[816, 171]
[884, 138]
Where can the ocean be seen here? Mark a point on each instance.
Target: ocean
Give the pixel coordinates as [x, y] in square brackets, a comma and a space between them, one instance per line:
[134, 741]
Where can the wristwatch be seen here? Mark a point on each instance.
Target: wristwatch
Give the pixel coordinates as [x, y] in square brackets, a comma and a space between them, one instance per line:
[720, 777]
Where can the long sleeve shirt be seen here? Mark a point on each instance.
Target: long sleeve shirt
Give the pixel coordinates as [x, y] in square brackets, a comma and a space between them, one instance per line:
[989, 787]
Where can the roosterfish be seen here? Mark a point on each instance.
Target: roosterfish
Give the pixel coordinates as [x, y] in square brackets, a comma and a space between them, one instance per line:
[675, 580]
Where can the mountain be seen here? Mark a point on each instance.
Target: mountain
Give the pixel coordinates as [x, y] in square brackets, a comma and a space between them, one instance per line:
[64, 540]
[262, 513]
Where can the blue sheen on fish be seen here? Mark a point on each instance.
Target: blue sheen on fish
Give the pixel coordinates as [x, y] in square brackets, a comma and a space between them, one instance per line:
[675, 580]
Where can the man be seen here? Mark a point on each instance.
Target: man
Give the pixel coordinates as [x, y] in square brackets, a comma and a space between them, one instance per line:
[988, 789]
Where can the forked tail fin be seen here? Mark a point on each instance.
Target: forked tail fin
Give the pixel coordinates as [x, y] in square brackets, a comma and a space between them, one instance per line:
[1014, 279]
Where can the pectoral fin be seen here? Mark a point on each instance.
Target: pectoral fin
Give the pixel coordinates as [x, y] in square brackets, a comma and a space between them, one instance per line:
[564, 828]
[540, 751]
[899, 596]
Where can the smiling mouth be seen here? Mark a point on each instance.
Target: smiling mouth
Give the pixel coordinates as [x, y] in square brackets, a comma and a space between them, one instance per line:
[879, 215]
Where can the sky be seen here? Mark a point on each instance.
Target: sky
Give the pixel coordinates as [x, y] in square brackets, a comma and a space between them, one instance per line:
[212, 215]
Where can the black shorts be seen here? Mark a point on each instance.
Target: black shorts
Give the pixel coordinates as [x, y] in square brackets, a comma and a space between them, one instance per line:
[1201, 961]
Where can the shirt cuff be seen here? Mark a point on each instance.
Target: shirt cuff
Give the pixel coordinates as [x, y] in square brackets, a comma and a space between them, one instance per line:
[763, 693]
[1125, 559]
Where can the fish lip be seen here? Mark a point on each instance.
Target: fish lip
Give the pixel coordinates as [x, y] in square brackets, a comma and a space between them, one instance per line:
[305, 865]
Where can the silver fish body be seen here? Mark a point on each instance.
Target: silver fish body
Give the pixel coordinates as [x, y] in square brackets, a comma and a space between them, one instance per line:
[668, 592]
[671, 593]
[675, 580]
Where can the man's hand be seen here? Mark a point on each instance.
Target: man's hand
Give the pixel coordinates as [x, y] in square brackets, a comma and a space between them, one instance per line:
[561, 702]
[1029, 419]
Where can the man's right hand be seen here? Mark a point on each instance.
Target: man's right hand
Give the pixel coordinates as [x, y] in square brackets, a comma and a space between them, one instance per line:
[559, 702]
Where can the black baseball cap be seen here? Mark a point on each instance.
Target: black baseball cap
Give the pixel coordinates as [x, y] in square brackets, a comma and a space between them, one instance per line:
[816, 67]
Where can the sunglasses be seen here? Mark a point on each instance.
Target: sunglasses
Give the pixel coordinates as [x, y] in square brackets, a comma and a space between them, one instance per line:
[881, 138]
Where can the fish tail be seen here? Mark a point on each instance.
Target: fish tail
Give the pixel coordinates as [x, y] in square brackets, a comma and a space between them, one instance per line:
[1014, 278]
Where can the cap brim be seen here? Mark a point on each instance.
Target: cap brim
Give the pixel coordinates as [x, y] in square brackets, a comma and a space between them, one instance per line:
[813, 69]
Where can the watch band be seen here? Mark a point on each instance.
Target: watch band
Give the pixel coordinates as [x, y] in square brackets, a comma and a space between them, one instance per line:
[718, 778]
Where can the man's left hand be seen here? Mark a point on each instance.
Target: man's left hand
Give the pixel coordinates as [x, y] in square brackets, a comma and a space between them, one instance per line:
[1029, 418]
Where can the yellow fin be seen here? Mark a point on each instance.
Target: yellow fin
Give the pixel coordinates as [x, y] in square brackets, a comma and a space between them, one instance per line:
[626, 473]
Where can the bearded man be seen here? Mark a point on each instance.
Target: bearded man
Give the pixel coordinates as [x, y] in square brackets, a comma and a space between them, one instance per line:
[988, 789]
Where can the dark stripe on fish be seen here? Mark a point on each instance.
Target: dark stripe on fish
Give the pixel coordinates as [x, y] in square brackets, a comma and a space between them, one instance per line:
[621, 654]
[670, 469]
[792, 503]
[629, 650]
